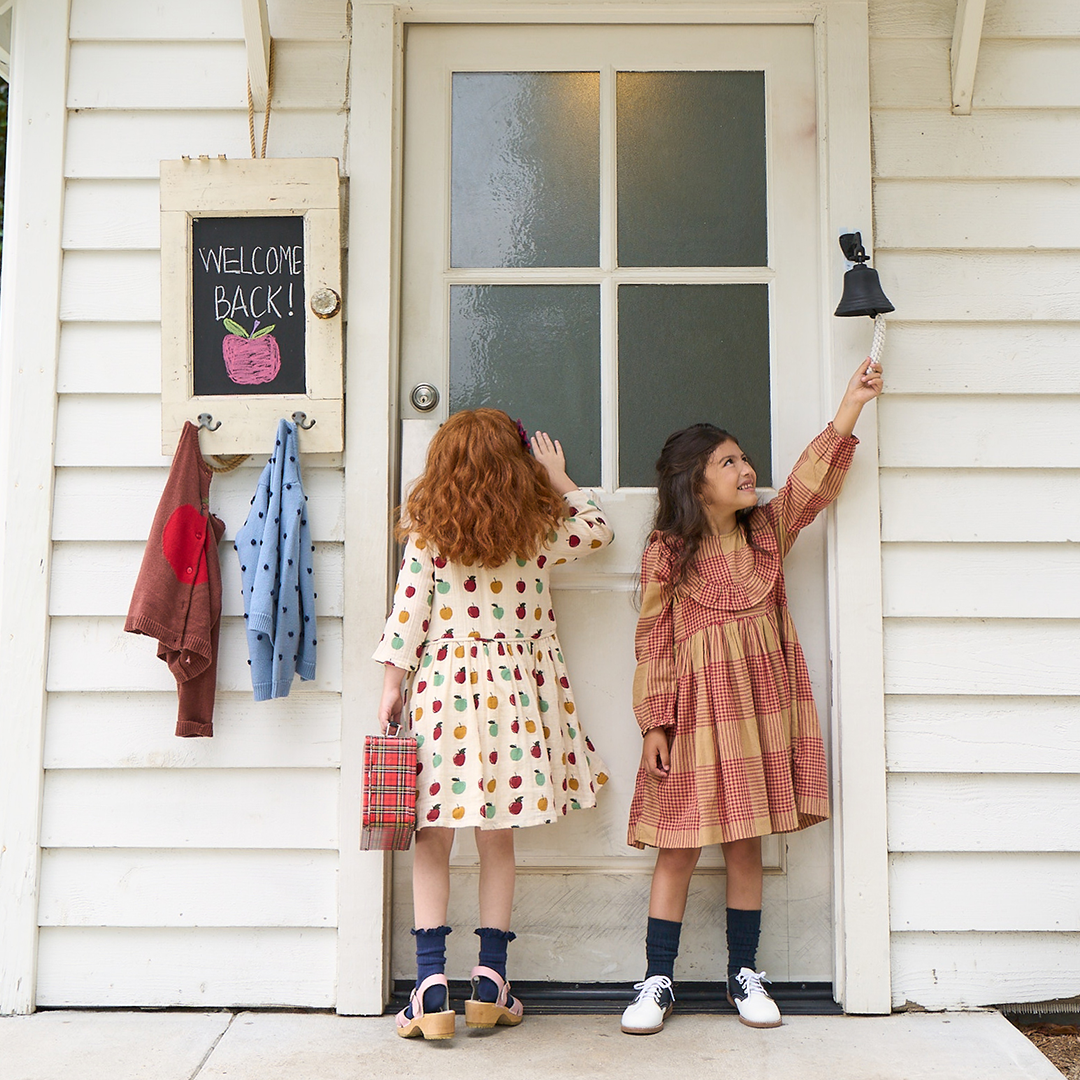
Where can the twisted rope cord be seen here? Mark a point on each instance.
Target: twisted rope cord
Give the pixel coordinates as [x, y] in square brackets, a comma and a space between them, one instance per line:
[266, 114]
[879, 338]
[227, 462]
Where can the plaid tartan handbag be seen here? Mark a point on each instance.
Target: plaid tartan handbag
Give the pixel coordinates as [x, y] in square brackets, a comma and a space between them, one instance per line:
[389, 815]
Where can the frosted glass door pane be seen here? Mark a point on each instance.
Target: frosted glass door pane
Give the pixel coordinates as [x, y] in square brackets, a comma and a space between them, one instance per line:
[525, 169]
[533, 350]
[691, 161]
[687, 354]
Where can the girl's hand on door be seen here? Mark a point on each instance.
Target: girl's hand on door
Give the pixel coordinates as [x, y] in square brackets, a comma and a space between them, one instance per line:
[549, 453]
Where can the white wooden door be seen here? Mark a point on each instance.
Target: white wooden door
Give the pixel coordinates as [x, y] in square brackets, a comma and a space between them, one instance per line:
[566, 257]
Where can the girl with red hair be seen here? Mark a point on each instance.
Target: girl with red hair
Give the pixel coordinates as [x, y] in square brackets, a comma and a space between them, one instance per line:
[472, 659]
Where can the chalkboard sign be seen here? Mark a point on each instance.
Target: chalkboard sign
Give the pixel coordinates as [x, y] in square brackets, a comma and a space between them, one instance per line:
[247, 301]
[251, 302]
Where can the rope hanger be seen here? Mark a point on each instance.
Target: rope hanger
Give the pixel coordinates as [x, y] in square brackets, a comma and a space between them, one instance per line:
[266, 114]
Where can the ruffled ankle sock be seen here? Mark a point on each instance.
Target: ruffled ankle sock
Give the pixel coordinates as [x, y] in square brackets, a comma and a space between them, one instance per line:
[431, 960]
[493, 945]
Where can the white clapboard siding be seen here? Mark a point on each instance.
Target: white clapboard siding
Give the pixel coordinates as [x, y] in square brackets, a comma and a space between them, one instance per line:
[982, 358]
[983, 812]
[984, 285]
[1033, 74]
[978, 431]
[980, 505]
[136, 731]
[127, 432]
[109, 358]
[95, 654]
[202, 75]
[186, 966]
[976, 214]
[198, 20]
[981, 581]
[981, 734]
[1014, 581]
[131, 145]
[120, 286]
[119, 504]
[136, 887]
[982, 656]
[999, 144]
[93, 578]
[959, 971]
[190, 808]
[111, 214]
[1004, 18]
[1018, 891]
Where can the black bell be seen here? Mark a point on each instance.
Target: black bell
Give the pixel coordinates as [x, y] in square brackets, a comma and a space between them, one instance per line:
[862, 289]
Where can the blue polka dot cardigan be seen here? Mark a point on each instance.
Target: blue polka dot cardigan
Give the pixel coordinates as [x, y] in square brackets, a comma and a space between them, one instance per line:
[275, 551]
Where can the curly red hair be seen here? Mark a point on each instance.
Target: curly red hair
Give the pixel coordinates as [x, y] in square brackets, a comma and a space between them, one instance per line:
[482, 498]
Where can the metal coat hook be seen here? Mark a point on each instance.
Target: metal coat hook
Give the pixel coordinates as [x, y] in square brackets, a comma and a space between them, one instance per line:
[300, 420]
[206, 420]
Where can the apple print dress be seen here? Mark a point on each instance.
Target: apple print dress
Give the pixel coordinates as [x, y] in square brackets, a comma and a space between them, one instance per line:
[488, 699]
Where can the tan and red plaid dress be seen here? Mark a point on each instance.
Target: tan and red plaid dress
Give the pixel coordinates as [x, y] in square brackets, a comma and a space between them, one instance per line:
[718, 660]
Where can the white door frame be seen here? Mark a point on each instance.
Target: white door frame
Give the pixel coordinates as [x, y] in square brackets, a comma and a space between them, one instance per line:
[29, 348]
[855, 613]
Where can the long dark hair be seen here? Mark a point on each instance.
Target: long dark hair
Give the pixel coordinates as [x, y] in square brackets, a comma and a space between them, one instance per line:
[680, 473]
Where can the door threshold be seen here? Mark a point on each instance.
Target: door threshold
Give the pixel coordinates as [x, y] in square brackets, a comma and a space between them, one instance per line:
[609, 999]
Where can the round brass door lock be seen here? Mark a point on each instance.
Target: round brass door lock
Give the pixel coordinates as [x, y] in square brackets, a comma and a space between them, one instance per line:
[325, 303]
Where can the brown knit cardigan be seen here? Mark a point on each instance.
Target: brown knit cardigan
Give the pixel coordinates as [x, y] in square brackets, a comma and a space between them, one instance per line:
[177, 596]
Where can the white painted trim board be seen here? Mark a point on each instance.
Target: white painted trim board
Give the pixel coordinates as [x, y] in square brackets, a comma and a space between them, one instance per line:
[29, 347]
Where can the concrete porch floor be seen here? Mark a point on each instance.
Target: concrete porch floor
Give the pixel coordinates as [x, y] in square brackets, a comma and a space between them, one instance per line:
[88, 1045]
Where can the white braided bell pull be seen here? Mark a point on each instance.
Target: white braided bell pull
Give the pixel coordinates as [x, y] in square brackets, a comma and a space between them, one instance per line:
[879, 338]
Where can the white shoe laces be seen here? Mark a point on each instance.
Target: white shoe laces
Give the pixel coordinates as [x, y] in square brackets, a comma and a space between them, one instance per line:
[653, 987]
[751, 982]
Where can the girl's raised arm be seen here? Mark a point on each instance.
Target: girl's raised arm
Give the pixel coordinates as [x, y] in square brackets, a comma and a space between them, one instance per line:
[862, 387]
[585, 529]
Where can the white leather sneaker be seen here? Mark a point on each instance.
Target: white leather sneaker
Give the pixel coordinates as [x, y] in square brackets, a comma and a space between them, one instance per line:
[756, 1008]
[645, 1015]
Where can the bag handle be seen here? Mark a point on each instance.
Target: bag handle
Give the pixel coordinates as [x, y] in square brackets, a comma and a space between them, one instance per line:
[393, 728]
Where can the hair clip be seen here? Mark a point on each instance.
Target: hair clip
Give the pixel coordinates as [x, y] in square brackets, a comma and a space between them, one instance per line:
[524, 436]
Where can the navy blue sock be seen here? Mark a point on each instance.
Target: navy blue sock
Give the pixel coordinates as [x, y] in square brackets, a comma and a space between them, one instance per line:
[743, 932]
[661, 947]
[493, 945]
[431, 960]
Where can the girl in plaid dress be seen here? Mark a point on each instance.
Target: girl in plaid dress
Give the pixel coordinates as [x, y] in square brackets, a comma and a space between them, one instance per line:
[472, 658]
[732, 749]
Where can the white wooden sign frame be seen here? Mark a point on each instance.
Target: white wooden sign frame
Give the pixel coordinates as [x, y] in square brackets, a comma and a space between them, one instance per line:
[263, 187]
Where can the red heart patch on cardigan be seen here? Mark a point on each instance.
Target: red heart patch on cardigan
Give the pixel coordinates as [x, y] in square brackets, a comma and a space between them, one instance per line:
[182, 543]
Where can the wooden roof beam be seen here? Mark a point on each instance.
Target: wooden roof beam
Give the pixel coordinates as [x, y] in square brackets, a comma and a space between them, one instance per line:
[257, 37]
[967, 36]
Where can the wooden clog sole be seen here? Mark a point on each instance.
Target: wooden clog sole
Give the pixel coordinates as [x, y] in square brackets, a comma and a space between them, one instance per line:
[484, 1014]
[433, 1026]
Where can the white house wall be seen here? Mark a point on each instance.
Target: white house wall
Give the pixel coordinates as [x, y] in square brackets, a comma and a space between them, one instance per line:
[175, 871]
[978, 244]
[205, 872]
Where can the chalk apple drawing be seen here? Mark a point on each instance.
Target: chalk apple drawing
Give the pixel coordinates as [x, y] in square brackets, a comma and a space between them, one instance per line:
[250, 359]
